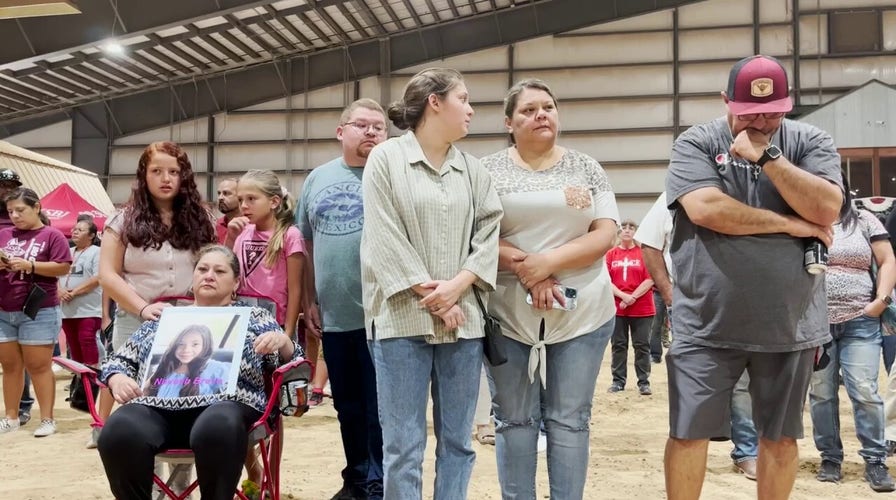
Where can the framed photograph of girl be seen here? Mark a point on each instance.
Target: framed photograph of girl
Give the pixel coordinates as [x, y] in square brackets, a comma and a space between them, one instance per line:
[196, 352]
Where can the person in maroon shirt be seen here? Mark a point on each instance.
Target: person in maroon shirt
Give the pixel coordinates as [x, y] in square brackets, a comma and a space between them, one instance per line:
[9, 180]
[634, 309]
[33, 256]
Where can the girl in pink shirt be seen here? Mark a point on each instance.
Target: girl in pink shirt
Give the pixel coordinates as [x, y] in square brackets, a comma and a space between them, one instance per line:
[268, 245]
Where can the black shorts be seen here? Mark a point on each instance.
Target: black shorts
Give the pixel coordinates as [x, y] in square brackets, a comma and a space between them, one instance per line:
[701, 380]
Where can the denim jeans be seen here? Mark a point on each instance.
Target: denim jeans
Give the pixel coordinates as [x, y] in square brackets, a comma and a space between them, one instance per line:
[743, 432]
[564, 405]
[405, 369]
[640, 333]
[353, 382]
[656, 327]
[856, 353]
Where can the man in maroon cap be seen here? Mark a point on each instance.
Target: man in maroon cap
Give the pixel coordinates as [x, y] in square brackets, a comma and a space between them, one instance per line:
[747, 191]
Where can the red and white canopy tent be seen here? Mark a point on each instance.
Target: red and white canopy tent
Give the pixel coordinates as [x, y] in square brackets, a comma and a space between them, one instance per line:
[63, 205]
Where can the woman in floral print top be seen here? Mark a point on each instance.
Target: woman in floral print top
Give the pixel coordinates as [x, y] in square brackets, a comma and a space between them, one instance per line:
[214, 426]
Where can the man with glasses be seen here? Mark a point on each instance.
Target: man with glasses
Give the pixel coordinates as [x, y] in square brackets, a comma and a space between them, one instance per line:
[9, 180]
[747, 190]
[331, 215]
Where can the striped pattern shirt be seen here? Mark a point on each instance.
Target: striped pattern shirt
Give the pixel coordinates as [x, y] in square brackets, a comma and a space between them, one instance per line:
[418, 221]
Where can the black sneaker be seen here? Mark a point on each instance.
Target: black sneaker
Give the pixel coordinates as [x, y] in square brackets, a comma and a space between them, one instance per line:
[829, 472]
[24, 415]
[656, 360]
[878, 477]
[644, 390]
[375, 490]
[345, 494]
[614, 387]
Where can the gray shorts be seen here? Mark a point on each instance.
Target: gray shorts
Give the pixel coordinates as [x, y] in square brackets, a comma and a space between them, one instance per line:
[125, 326]
[701, 380]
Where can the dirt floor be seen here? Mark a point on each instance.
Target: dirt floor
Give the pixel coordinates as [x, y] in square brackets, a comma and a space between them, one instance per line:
[627, 438]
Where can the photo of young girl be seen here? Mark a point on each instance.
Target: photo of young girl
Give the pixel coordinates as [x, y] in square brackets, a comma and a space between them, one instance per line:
[187, 367]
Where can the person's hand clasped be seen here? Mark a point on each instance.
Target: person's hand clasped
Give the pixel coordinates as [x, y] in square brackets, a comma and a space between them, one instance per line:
[269, 342]
[20, 265]
[153, 311]
[65, 296]
[123, 388]
[802, 228]
[444, 295]
[533, 268]
[544, 293]
[453, 317]
[749, 144]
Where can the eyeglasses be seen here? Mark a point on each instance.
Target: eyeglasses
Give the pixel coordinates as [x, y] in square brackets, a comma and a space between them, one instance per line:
[362, 127]
[752, 116]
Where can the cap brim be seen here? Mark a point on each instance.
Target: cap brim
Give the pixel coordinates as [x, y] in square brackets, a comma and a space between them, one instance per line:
[783, 105]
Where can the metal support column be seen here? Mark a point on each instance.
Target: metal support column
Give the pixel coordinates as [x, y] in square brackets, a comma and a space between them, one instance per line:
[91, 136]
[676, 77]
[210, 182]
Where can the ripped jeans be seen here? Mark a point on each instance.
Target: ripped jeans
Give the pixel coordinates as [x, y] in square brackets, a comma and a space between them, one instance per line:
[564, 406]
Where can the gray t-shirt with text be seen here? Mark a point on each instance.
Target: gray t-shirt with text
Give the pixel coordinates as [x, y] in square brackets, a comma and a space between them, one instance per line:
[331, 215]
[745, 292]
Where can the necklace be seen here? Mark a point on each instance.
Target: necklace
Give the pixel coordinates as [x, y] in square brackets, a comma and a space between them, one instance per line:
[76, 257]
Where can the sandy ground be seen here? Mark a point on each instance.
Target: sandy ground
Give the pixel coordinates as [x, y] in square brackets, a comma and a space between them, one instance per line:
[627, 438]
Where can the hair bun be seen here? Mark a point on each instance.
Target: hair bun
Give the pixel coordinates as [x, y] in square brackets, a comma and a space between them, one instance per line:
[398, 115]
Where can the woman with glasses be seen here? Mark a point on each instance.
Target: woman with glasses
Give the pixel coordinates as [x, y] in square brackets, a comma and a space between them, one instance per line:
[81, 296]
[552, 297]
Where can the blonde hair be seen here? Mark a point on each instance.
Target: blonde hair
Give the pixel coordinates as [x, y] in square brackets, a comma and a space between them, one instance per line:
[269, 184]
[364, 102]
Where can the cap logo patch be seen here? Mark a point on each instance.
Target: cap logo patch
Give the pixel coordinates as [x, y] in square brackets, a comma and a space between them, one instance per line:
[761, 87]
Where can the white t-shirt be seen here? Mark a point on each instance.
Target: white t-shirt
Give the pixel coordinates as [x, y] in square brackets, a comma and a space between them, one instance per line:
[85, 265]
[656, 229]
[544, 210]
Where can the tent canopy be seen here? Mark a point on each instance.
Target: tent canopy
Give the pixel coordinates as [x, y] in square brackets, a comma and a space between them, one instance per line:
[63, 205]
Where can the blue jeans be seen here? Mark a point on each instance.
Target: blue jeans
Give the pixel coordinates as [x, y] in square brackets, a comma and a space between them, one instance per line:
[563, 405]
[743, 432]
[353, 382]
[856, 352]
[405, 368]
[656, 327]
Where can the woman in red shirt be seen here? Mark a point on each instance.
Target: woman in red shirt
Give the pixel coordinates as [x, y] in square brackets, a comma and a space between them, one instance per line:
[634, 309]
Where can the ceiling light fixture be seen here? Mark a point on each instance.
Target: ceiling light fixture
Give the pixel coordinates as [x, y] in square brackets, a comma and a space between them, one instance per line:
[113, 48]
[10, 9]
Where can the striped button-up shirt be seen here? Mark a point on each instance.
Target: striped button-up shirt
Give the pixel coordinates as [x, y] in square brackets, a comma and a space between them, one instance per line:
[423, 223]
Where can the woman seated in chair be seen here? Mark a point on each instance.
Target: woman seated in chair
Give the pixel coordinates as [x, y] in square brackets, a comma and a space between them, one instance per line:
[214, 426]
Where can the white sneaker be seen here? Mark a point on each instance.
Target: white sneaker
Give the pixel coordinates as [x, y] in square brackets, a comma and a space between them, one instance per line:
[7, 425]
[94, 436]
[47, 427]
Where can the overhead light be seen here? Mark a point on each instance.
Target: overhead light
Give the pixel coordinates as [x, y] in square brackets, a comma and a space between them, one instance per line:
[10, 9]
[113, 48]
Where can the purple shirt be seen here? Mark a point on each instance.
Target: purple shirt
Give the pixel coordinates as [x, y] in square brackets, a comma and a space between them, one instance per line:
[46, 244]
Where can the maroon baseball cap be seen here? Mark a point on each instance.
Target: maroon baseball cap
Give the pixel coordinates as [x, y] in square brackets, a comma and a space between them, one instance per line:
[758, 84]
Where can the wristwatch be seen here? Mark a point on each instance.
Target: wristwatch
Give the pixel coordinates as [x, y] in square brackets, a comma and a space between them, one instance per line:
[772, 152]
[886, 299]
